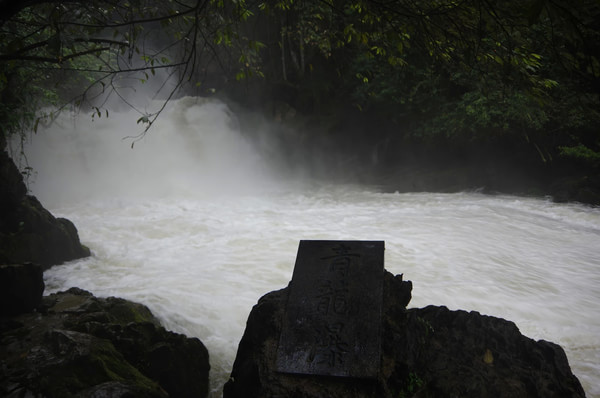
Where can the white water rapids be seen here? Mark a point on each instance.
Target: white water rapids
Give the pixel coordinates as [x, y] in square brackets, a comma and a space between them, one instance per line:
[197, 225]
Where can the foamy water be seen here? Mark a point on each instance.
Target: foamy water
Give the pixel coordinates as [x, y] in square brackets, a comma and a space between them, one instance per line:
[195, 224]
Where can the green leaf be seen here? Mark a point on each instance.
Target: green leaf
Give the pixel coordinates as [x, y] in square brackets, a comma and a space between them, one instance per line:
[581, 152]
[240, 75]
[246, 14]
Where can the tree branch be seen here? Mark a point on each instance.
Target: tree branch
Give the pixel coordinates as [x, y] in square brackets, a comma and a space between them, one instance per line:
[57, 60]
[130, 22]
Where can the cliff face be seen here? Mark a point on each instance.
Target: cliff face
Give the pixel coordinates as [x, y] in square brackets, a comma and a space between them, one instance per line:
[28, 232]
[426, 352]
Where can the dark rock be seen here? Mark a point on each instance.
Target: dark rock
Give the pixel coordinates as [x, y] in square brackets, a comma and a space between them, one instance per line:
[28, 232]
[427, 352]
[78, 345]
[580, 189]
[12, 189]
[116, 389]
[21, 288]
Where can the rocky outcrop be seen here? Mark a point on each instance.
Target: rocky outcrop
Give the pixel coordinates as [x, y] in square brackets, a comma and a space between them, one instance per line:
[21, 288]
[28, 232]
[426, 352]
[78, 345]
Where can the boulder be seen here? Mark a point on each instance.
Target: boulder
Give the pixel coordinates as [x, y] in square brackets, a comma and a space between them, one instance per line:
[21, 288]
[29, 232]
[426, 352]
[78, 345]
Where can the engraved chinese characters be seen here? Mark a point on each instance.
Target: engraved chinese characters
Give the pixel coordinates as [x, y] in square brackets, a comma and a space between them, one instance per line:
[332, 324]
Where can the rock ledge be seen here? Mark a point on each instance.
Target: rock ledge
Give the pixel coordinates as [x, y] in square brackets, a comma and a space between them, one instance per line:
[426, 352]
[78, 345]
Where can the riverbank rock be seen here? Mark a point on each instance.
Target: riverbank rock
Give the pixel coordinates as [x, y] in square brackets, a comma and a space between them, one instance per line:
[21, 288]
[29, 232]
[78, 345]
[426, 352]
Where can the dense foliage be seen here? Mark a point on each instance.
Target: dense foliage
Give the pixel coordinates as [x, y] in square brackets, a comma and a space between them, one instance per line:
[466, 70]
[465, 73]
[518, 81]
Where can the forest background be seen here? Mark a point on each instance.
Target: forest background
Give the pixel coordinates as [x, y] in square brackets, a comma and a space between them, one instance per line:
[410, 95]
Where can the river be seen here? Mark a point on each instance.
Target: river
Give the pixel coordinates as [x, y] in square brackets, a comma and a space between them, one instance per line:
[198, 224]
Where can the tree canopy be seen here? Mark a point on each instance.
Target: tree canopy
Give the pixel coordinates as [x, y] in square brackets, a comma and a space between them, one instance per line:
[74, 52]
[467, 71]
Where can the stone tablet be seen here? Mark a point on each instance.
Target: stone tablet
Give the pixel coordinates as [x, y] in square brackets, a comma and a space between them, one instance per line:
[332, 324]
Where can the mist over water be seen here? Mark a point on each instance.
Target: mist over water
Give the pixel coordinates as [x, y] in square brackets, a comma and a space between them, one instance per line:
[198, 223]
[195, 149]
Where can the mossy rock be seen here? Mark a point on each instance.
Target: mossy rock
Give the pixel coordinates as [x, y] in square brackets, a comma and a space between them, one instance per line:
[90, 361]
[78, 345]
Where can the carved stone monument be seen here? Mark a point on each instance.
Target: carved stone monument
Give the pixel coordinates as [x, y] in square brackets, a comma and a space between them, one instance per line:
[332, 323]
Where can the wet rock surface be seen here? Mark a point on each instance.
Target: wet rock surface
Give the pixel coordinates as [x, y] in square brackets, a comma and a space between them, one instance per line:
[21, 288]
[426, 352]
[29, 232]
[77, 345]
